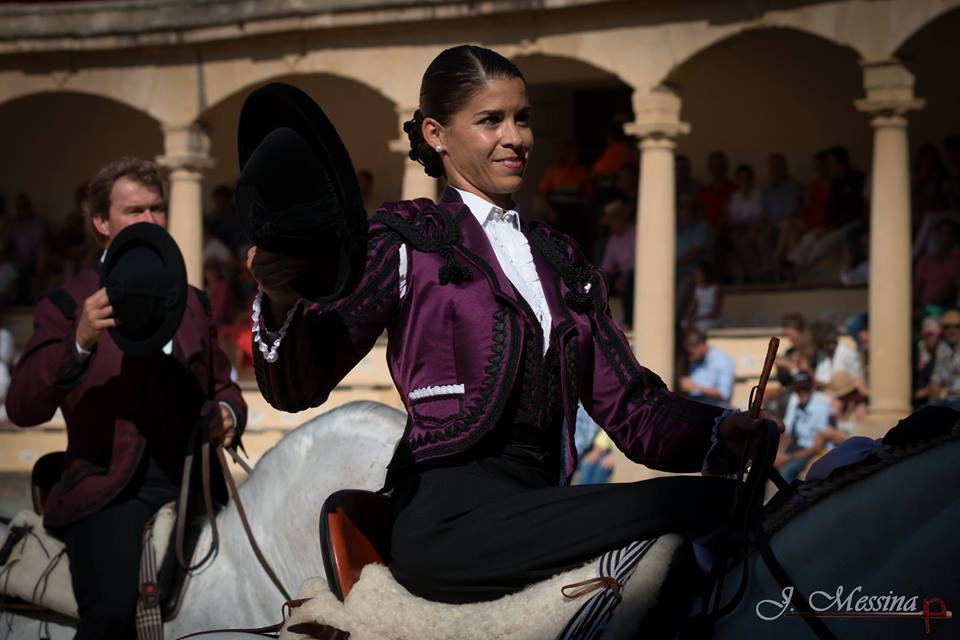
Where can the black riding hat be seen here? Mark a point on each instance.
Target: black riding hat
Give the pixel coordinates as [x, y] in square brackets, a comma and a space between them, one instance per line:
[146, 282]
[298, 194]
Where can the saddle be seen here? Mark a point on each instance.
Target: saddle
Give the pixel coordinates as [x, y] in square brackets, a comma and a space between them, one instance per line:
[33, 561]
[355, 531]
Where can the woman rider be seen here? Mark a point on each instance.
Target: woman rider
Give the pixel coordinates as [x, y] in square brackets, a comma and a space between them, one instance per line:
[496, 329]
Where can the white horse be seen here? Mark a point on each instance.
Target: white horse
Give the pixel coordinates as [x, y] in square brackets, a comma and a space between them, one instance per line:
[347, 447]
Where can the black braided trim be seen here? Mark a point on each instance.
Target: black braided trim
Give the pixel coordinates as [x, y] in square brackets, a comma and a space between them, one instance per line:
[367, 298]
[553, 247]
[432, 230]
[487, 404]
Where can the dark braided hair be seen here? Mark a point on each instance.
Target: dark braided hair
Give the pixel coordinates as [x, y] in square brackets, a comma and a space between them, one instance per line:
[453, 77]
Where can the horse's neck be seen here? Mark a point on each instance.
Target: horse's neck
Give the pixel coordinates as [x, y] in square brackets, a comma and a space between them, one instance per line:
[345, 448]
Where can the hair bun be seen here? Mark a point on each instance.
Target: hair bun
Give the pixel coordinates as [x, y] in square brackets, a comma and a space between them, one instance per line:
[420, 151]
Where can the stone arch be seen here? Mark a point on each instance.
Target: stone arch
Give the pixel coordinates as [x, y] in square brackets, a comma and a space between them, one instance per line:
[57, 140]
[364, 117]
[796, 98]
[912, 24]
[930, 54]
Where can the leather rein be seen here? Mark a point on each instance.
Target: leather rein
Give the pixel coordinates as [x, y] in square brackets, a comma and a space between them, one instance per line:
[211, 515]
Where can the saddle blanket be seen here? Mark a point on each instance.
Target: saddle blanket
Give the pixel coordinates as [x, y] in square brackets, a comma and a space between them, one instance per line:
[378, 608]
[38, 571]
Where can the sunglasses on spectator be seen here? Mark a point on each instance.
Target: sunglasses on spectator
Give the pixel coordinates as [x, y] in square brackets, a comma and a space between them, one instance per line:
[950, 326]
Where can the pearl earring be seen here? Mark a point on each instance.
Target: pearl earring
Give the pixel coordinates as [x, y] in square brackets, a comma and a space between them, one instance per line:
[438, 148]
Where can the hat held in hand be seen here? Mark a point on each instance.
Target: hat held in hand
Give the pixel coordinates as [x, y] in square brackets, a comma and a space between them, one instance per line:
[146, 282]
[298, 194]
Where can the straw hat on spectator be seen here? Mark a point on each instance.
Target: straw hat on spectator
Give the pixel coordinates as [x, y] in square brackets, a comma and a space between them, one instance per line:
[950, 317]
[841, 384]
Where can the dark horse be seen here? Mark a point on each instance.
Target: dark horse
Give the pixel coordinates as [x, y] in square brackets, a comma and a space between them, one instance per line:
[870, 549]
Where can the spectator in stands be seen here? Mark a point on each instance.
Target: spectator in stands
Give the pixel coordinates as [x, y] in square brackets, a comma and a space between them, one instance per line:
[856, 258]
[74, 245]
[809, 412]
[223, 308]
[950, 186]
[366, 181]
[849, 408]
[694, 245]
[566, 188]
[6, 366]
[687, 187]
[800, 354]
[926, 181]
[706, 303]
[9, 276]
[628, 184]
[797, 243]
[946, 368]
[596, 466]
[745, 229]
[782, 195]
[715, 195]
[28, 234]
[782, 204]
[924, 358]
[618, 255]
[833, 355]
[847, 201]
[618, 153]
[223, 224]
[937, 275]
[710, 374]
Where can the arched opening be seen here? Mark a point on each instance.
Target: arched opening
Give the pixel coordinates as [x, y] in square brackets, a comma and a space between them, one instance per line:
[772, 90]
[56, 141]
[364, 118]
[931, 54]
[54, 144]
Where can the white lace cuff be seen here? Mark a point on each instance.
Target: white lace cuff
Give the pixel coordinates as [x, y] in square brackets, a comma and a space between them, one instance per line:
[268, 341]
[714, 464]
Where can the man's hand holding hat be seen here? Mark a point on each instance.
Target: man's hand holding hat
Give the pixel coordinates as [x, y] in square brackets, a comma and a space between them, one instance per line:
[97, 316]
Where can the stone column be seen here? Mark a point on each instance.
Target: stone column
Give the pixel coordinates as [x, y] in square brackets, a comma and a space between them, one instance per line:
[186, 155]
[416, 183]
[657, 125]
[889, 96]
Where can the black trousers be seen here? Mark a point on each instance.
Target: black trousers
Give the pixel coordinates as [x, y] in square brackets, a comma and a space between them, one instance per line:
[477, 529]
[104, 552]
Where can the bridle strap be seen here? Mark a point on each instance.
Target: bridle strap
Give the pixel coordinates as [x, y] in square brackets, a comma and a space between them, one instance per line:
[232, 488]
[183, 504]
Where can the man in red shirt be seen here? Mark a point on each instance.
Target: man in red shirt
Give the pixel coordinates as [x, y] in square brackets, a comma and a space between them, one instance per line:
[715, 195]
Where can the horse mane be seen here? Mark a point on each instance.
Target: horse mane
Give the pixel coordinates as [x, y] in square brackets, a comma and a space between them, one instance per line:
[810, 493]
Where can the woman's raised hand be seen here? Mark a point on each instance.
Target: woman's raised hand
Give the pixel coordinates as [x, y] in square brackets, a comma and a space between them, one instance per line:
[273, 272]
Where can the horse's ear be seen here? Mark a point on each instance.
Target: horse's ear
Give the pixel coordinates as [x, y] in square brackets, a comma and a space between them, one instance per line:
[931, 421]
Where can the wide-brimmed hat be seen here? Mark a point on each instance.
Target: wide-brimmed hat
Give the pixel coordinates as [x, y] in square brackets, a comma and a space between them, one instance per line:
[146, 283]
[298, 194]
[950, 317]
[842, 383]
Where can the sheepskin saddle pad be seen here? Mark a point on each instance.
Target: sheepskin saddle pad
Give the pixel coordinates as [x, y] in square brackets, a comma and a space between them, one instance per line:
[378, 608]
[34, 565]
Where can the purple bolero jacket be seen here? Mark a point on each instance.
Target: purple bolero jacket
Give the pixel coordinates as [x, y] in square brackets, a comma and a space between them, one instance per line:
[454, 343]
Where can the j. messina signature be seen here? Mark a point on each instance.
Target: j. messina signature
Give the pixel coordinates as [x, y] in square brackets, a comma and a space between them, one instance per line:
[824, 604]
